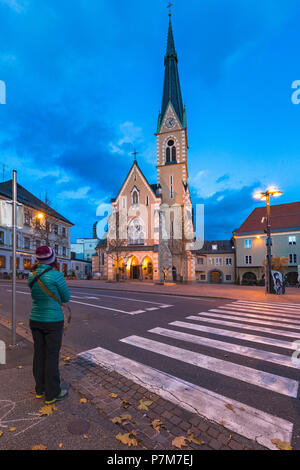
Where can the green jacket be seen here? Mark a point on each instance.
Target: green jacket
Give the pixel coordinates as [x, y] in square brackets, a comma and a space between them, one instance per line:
[44, 308]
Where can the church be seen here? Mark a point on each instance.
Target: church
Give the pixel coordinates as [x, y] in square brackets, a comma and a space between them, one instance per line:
[151, 228]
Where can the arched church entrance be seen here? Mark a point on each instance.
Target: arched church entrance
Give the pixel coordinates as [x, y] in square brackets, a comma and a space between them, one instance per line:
[121, 269]
[133, 268]
[147, 268]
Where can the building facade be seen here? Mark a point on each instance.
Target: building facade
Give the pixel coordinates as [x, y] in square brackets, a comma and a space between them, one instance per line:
[38, 224]
[151, 226]
[215, 262]
[85, 248]
[251, 243]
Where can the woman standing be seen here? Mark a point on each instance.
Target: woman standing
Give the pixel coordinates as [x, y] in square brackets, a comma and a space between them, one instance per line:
[48, 290]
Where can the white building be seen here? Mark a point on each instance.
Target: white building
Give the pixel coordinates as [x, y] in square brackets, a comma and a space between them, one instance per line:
[85, 248]
[41, 225]
[80, 268]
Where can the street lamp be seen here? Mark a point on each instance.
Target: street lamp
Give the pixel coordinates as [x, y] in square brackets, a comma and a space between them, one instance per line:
[266, 196]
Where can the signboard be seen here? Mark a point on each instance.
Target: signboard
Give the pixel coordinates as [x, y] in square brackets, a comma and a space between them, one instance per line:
[278, 285]
[6, 214]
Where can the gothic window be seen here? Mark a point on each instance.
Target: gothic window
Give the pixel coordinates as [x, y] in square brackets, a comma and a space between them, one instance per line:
[171, 152]
[168, 155]
[136, 234]
[135, 197]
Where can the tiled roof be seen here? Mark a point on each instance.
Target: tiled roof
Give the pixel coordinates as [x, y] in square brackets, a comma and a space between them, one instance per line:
[224, 246]
[28, 199]
[283, 217]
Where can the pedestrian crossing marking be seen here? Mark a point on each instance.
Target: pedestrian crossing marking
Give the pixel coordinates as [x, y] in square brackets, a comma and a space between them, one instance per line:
[226, 315]
[222, 321]
[269, 304]
[263, 355]
[260, 313]
[243, 326]
[234, 334]
[259, 378]
[246, 421]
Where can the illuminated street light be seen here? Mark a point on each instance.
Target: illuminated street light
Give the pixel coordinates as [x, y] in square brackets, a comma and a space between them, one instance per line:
[265, 196]
[40, 216]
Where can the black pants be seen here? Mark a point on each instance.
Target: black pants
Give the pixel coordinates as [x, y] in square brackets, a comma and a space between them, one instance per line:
[47, 339]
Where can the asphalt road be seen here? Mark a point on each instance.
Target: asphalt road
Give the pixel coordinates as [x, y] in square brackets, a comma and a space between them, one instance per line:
[242, 352]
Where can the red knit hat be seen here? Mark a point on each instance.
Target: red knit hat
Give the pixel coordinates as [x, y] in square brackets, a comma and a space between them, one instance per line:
[45, 255]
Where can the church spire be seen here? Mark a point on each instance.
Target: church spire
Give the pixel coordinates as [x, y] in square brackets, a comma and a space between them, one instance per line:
[172, 90]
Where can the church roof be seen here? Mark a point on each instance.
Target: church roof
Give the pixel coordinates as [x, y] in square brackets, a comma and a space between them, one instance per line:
[172, 90]
[153, 187]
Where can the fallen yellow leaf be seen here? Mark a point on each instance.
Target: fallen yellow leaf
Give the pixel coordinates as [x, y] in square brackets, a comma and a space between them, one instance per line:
[179, 442]
[83, 400]
[144, 405]
[119, 420]
[1, 433]
[193, 439]
[60, 445]
[128, 439]
[157, 425]
[125, 404]
[113, 395]
[39, 447]
[85, 436]
[281, 445]
[19, 367]
[229, 407]
[12, 429]
[47, 410]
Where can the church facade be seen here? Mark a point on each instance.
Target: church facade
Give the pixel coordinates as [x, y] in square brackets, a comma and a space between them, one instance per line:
[151, 229]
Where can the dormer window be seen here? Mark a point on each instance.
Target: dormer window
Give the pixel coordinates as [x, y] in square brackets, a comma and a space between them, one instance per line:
[171, 152]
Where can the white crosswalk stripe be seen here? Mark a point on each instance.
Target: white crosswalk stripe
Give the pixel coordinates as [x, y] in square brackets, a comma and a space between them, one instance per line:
[243, 326]
[272, 305]
[224, 346]
[269, 327]
[226, 315]
[244, 314]
[246, 374]
[238, 335]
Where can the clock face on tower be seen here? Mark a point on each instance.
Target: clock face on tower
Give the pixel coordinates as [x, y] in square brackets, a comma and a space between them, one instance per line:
[170, 122]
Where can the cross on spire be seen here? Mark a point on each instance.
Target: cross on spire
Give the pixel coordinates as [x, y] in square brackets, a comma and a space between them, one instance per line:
[135, 153]
[169, 6]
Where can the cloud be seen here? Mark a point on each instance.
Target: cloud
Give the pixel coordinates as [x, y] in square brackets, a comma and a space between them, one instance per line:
[222, 179]
[80, 193]
[225, 211]
[19, 6]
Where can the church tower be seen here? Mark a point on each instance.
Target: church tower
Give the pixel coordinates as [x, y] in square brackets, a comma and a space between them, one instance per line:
[172, 173]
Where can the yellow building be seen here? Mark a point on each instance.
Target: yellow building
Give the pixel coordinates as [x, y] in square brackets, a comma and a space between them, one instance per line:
[151, 225]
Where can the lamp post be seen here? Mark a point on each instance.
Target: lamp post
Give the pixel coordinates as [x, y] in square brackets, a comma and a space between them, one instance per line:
[266, 196]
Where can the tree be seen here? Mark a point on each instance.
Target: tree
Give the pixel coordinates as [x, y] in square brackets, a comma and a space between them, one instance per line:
[178, 245]
[45, 226]
[115, 244]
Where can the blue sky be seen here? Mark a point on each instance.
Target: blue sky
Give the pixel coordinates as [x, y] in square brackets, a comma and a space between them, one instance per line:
[84, 86]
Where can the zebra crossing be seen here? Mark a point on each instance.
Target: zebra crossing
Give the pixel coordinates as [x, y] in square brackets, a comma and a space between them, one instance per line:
[245, 331]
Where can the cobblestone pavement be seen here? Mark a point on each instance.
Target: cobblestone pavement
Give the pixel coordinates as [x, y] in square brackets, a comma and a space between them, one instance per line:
[96, 384]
